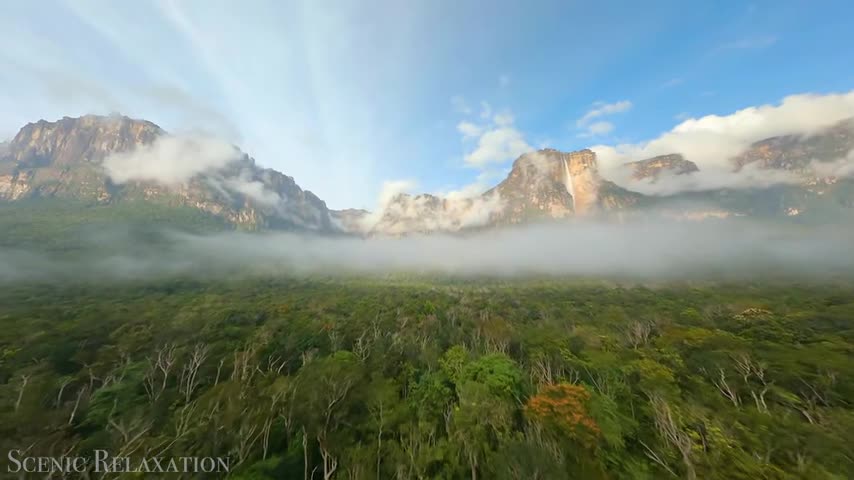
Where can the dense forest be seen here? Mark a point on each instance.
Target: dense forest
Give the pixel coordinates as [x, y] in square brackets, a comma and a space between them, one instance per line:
[415, 378]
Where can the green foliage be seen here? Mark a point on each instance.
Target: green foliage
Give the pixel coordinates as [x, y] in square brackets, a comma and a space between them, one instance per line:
[415, 378]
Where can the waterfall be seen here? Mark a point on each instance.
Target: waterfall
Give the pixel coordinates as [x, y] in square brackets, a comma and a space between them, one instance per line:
[568, 181]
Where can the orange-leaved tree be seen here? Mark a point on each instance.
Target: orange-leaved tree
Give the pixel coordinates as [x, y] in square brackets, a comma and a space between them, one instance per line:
[562, 410]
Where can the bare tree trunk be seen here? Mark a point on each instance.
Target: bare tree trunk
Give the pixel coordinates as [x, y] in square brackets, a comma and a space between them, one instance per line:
[305, 453]
[61, 389]
[190, 374]
[25, 379]
[380, 441]
[330, 463]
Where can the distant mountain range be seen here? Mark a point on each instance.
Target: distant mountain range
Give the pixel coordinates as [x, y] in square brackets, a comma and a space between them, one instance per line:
[98, 160]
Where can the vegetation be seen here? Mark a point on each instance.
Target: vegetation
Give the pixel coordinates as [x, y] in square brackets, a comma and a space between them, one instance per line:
[70, 226]
[410, 378]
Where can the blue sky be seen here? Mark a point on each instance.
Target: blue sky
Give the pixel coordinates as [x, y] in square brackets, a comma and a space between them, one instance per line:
[346, 95]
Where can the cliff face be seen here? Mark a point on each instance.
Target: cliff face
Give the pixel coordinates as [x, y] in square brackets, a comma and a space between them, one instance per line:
[65, 159]
[653, 167]
[554, 184]
[813, 172]
[71, 141]
[73, 158]
[797, 152]
[536, 188]
[543, 185]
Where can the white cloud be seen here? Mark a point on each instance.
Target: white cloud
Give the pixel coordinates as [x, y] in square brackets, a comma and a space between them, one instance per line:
[711, 141]
[394, 188]
[401, 213]
[254, 189]
[690, 250]
[171, 160]
[498, 140]
[840, 168]
[175, 160]
[390, 190]
[672, 82]
[469, 129]
[497, 145]
[751, 176]
[409, 214]
[598, 128]
[601, 109]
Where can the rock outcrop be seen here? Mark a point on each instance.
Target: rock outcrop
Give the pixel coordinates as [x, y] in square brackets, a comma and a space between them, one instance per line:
[65, 159]
[654, 167]
[544, 185]
[797, 152]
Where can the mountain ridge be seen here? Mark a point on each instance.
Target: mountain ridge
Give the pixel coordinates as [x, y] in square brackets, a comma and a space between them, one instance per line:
[108, 159]
[69, 158]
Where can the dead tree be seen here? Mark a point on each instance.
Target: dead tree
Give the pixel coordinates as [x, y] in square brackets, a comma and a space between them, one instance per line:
[246, 438]
[726, 390]
[62, 386]
[330, 463]
[159, 368]
[275, 364]
[130, 432]
[189, 380]
[362, 347]
[244, 367]
[673, 434]
[638, 334]
[80, 393]
[25, 379]
[755, 370]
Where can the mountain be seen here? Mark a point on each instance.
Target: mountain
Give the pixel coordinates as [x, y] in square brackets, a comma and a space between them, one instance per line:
[106, 160]
[791, 175]
[673, 163]
[798, 152]
[119, 164]
[544, 185]
[349, 219]
[553, 184]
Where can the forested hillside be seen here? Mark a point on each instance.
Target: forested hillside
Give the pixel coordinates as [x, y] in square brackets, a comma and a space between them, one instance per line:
[415, 378]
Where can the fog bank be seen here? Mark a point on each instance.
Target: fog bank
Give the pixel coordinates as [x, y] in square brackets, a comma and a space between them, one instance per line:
[640, 249]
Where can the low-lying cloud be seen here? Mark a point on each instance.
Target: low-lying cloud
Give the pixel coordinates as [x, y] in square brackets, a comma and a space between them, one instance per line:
[665, 250]
[712, 178]
[400, 213]
[171, 160]
[174, 160]
[713, 140]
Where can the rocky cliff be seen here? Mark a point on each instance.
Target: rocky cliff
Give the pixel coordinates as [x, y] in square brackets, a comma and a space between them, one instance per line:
[652, 168]
[787, 175]
[798, 152]
[108, 160]
[543, 185]
[66, 159]
[552, 184]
